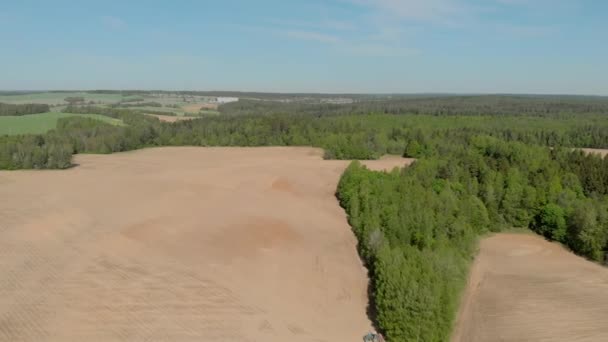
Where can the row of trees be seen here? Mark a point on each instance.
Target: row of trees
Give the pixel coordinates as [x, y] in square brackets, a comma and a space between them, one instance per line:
[417, 228]
[343, 137]
[438, 105]
[138, 104]
[7, 109]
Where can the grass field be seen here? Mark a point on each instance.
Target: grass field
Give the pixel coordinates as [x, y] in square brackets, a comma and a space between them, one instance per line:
[41, 123]
[58, 98]
[176, 111]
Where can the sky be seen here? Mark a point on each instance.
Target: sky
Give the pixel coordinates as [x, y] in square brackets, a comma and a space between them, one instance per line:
[337, 46]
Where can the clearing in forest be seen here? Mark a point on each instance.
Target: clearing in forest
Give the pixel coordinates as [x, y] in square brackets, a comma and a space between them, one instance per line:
[181, 244]
[601, 152]
[523, 288]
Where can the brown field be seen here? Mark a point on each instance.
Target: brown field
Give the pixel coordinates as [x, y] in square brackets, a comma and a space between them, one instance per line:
[181, 244]
[195, 108]
[523, 288]
[171, 118]
[601, 152]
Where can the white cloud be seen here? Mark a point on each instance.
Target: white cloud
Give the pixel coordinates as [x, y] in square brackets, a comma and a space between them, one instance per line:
[112, 22]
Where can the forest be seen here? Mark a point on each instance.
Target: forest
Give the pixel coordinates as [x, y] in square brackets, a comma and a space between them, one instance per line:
[444, 105]
[478, 171]
[417, 228]
[22, 109]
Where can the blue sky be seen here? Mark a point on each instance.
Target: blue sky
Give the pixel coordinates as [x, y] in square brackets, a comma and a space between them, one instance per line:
[379, 46]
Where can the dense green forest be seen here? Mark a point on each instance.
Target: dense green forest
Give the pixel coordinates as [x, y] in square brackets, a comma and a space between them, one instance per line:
[478, 171]
[361, 136]
[417, 228]
[445, 105]
[22, 109]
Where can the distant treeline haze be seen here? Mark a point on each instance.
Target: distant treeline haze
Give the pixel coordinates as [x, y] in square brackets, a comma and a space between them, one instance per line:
[22, 109]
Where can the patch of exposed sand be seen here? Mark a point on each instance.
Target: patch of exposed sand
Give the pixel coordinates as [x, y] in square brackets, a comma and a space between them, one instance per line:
[171, 118]
[523, 288]
[387, 163]
[601, 152]
[181, 244]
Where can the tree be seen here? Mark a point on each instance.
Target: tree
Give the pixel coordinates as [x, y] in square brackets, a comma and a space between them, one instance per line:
[551, 222]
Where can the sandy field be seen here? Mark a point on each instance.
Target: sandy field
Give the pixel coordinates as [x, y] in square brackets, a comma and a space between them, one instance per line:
[601, 152]
[523, 288]
[181, 244]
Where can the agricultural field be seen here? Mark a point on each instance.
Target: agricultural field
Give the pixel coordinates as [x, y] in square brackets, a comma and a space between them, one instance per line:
[223, 248]
[523, 288]
[41, 123]
[179, 105]
[208, 220]
[52, 98]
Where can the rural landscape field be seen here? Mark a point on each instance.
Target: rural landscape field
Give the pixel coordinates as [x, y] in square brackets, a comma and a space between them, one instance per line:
[323, 171]
[149, 230]
[220, 247]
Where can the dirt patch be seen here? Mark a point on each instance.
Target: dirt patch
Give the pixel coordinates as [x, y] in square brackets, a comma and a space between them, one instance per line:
[195, 108]
[181, 244]
[601, 152]
[284, 185]
[523, 288]
[387, 163]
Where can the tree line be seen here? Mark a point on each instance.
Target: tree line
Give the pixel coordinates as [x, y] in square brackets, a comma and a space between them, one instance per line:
[443, 105]
[7, 109]
[365, 136]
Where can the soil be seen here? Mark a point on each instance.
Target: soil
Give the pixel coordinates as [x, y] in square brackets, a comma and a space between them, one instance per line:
[523, 288]
[181, 244]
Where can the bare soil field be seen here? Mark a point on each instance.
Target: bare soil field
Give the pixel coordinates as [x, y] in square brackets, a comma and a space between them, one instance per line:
[181, 244]
[195, 108]
[601, 152]
[523, 288]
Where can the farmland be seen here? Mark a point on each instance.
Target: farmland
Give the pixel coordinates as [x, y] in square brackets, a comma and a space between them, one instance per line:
[523, 288]
[325, 171]
[176, 103]
[41, 123]
[57, 98]
[222, 248]
[484, 164]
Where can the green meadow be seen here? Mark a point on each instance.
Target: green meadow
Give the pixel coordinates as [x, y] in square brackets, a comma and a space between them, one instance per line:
[41, 123]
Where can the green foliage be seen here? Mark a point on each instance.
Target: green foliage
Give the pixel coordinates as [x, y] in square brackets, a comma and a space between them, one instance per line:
[74, 99]
[41, 123]
[551, 222]
[496, 105]
[22, 109]
[417, 229]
